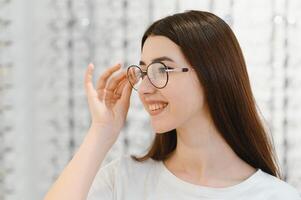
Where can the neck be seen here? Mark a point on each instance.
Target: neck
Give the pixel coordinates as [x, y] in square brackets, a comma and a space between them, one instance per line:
[204, 154]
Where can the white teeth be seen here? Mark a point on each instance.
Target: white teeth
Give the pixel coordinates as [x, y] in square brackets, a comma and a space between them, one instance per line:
[157, 106]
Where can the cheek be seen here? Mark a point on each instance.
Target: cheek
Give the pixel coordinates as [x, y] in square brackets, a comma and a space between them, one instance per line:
[183, 104]
[188, 102]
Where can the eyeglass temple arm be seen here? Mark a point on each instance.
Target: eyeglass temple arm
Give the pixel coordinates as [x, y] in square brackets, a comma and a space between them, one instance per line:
[177, 70]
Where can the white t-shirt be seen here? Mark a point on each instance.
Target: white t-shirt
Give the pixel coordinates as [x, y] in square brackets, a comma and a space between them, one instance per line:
[127, 179]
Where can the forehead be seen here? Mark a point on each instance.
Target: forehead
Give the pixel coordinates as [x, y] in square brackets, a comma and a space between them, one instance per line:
[160, 46]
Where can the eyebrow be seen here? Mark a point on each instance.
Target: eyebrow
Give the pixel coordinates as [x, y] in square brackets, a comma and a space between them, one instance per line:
[163, 58]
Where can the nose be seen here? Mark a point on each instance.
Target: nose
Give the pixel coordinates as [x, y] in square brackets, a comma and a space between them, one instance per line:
[146, 86]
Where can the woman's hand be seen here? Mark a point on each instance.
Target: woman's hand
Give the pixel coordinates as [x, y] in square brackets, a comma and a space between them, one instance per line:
[109, 102]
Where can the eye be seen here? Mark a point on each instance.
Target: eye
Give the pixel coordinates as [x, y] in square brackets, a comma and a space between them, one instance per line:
[161, 70]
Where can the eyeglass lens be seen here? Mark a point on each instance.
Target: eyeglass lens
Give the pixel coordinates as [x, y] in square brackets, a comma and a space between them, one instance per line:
[155, 72]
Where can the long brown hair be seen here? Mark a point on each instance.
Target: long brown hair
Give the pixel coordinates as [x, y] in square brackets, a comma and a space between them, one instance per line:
[209, 43]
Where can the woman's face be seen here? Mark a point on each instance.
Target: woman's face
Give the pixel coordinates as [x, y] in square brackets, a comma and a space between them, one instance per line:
[183, 93]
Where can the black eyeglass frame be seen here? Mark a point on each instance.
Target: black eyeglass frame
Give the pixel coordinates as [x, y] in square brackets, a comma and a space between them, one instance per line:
[167, 69]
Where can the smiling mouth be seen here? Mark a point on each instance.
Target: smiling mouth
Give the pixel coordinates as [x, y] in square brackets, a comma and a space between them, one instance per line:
[157, 110]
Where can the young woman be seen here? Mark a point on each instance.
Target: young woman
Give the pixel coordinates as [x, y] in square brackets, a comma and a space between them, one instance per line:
[210, 142]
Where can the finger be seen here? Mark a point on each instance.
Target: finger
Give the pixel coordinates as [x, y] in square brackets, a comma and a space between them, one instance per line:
[110, 96]
[113, 84]
[127, 91]
[90, 90]
[121, 86]
[102, 81]
[124, 100]
[119, 90]
[126, 97]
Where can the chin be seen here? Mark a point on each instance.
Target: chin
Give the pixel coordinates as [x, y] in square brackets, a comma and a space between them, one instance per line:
[160, 132]
[161, 129]
[163, 124]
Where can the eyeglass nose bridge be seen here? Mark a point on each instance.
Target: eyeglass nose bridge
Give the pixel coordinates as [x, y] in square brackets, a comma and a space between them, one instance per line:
[143, 74]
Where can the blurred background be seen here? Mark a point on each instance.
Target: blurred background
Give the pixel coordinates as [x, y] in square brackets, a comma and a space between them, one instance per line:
[45, 47]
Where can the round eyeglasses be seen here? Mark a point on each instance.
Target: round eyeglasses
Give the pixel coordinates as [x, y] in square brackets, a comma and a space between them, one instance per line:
[157, 73]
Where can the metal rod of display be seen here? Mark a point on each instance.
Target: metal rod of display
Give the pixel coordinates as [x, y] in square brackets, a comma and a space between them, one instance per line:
[271, 101]
[150, 11]
[125, 56]
[6, 168]
[90, 39]
[231, 11]
[285, 94]
[70, 27]
[211, 5]
[177, 6]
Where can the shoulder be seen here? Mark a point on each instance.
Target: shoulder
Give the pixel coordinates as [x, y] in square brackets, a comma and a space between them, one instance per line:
[132, 166]
[122, 174]
[127, 160]
[277, 188]
[126, 165]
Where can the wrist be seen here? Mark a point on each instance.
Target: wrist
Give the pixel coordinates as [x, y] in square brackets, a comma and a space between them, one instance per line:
[101, 127]
[105, 133]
